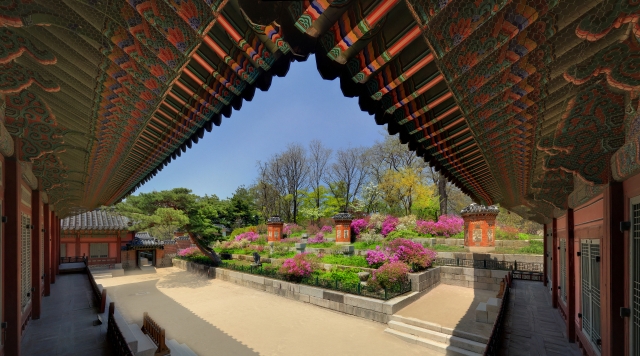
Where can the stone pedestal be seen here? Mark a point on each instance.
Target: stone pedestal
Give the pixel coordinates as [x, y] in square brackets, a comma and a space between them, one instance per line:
[274, 228]
[479, 227]
[343, 228]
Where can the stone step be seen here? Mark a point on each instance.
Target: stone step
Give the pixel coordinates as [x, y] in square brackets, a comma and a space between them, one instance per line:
[146, 346]
[438, 328]
[178, 349]
[438, 337]
[439, 347]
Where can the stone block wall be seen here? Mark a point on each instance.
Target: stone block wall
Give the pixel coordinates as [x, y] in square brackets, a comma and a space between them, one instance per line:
[163, 258]
[363, 307]
[423, 281]
[493, 256]
[472, 278]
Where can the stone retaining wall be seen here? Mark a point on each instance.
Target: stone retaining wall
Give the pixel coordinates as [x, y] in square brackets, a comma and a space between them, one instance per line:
[493, 256]
[363, 307]
[472, 278]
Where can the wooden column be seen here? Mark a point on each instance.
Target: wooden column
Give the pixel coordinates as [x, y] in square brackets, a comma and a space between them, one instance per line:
[77, 253]
[36, 223]
[52, 237]
[47, 251]
[612, 276]
[118, 248]
[571, 279]
[555, 260]
[545, 248]
[11, 256]
[57, 245]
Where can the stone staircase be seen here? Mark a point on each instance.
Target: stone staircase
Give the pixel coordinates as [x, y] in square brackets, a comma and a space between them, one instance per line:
[178, 349]
[146, 346]
[436, 338]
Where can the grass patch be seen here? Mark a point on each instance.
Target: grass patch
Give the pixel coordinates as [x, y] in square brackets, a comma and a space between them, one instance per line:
[355, 261]
[447, 248]
[361, 245]
[245, 263]
[534, 248]
[348, 276]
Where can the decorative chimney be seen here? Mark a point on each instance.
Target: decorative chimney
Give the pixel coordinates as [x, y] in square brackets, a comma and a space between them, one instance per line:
[274, 228]
[343, 228]
[480, 227]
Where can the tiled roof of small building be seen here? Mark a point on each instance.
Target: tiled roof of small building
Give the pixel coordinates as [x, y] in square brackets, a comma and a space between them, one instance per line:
[95, 220]
[144, 235]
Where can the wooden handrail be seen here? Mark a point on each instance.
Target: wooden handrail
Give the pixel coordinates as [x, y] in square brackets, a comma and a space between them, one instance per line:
[114, 335]
[156, 333]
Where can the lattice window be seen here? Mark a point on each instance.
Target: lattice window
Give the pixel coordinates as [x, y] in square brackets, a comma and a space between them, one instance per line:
[635, 275]
[590, 267]
[563, 269]
[99, 250]
[25, 261]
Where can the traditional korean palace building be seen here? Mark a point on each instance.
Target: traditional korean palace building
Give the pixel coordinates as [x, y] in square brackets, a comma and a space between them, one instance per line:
[532, 104]
[99, 235]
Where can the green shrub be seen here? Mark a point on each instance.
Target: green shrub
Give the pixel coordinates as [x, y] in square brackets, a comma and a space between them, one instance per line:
[534, 248]
[405, 234]
[322, 245]
[364, 245]
[346, 277]
[459, 235]
[448, 248]
[355, 261]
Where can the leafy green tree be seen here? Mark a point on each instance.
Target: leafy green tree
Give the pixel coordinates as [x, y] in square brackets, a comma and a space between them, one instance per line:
[162, 223]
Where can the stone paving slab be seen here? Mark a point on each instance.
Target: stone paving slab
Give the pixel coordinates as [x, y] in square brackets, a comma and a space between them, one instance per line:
[532, 326]
[66, 324]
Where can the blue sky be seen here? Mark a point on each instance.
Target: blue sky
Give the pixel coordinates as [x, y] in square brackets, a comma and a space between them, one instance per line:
[297, 108]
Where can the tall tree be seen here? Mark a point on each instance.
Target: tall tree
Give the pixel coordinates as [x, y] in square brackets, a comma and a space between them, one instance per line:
[350, 170]
[295, 168]
[318, 163]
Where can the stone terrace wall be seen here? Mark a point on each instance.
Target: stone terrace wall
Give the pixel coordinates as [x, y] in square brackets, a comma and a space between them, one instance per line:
[472, 278]
[363, 307]
[492, 256]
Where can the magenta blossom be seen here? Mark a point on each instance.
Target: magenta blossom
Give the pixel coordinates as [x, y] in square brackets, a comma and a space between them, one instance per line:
[319, 238]
[389, 225]
[447, 225]
[358, 226]
[249, 236]
[326, 229]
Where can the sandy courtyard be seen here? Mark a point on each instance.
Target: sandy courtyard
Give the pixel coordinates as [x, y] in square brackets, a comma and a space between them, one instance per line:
[214, 317]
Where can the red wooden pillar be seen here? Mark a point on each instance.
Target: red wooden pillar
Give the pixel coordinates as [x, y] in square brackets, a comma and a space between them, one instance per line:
[118, 249]
[571, 279]
[555, 260]
[55, 243]
[36, 223]
[77, 253]
[12, 255]
[545, 248]
[47, 250]
[612, 276]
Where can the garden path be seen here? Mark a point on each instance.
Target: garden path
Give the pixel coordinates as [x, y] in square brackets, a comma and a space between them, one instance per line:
[214, 317]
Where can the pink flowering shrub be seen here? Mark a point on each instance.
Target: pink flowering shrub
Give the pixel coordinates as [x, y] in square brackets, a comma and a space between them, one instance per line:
[298, 267]
[376, 258]
[291, 228]
[319, 238]
[388, 225]
[412, 253]
[291, 240]
[312, 229]
[447, 225]
[326, 229]
[250, 236]
[358, 226]
[390, 274]
[189, 252]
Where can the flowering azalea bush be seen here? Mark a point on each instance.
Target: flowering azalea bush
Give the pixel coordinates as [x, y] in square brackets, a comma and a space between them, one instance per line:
[359, 226]
[406, 223]
[375, 222]
[412, 253]
[312, 229]
[447, 225]
[189, 252]
[250, 236]
[298, 267]
[319, 238]
[326, 229]
[388, 225]
[291, 240]
[390, 274]
[376, 258]
[291, 228]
